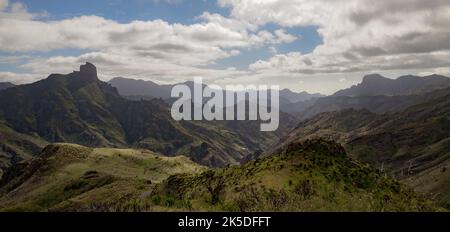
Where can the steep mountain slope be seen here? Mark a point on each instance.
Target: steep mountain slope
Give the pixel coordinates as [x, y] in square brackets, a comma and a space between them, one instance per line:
[79, 108]
[71, 107]
[81, 178]
[15, 146]
[390, 137]
[376, 84]
[433, 182]
[407, 143]
[315, 175]
[420, 134]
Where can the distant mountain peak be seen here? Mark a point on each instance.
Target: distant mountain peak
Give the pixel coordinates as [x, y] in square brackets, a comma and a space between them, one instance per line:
[375, 84]
[86, 75]
[88, 68]
[295, 97]
[373, 77]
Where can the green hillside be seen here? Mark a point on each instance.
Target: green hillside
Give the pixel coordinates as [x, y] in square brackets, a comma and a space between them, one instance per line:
[15, 146]
[434, 183]
[412, 145]
[315, 175]
[67, 176]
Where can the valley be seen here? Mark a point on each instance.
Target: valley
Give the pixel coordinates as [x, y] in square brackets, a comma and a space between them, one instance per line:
[79, 108]
[75, 143]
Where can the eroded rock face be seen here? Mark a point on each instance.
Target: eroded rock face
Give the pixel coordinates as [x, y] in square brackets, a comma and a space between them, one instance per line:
[80, 79]
[89, 69]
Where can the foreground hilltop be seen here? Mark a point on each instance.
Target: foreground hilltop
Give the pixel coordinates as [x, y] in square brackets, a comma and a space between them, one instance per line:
[315, 175]
[82, 178]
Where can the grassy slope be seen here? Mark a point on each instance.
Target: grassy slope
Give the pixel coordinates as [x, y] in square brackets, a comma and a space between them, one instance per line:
[15, 146]
[73, 177]
[434, 182]
[312, 176]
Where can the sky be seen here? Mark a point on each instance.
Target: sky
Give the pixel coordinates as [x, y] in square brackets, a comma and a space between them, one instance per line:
[304, 45]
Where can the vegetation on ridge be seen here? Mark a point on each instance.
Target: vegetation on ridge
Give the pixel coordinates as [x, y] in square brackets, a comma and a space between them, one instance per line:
[79, 178]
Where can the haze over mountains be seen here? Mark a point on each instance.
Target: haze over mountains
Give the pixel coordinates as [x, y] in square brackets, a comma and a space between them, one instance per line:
[378, 94]
[79, 108]
[137, 89]
[116, 142]
[375, 84]
[140, 88]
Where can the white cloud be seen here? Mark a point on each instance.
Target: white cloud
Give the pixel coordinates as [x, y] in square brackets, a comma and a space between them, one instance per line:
[13, 59]
[146, 48]
[214, 38]
[112, 65]
[283, 37]
[19, 78]
[17, 10]
[357, 34]
[273, 50]
[442, 71]
[194, 44]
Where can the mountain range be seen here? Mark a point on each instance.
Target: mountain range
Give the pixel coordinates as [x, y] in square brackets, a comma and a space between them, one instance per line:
[376, 94]
[132, 88]
[79, 108]
[140, 89]
[375, 84]
[406, 144]
[75, 143]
